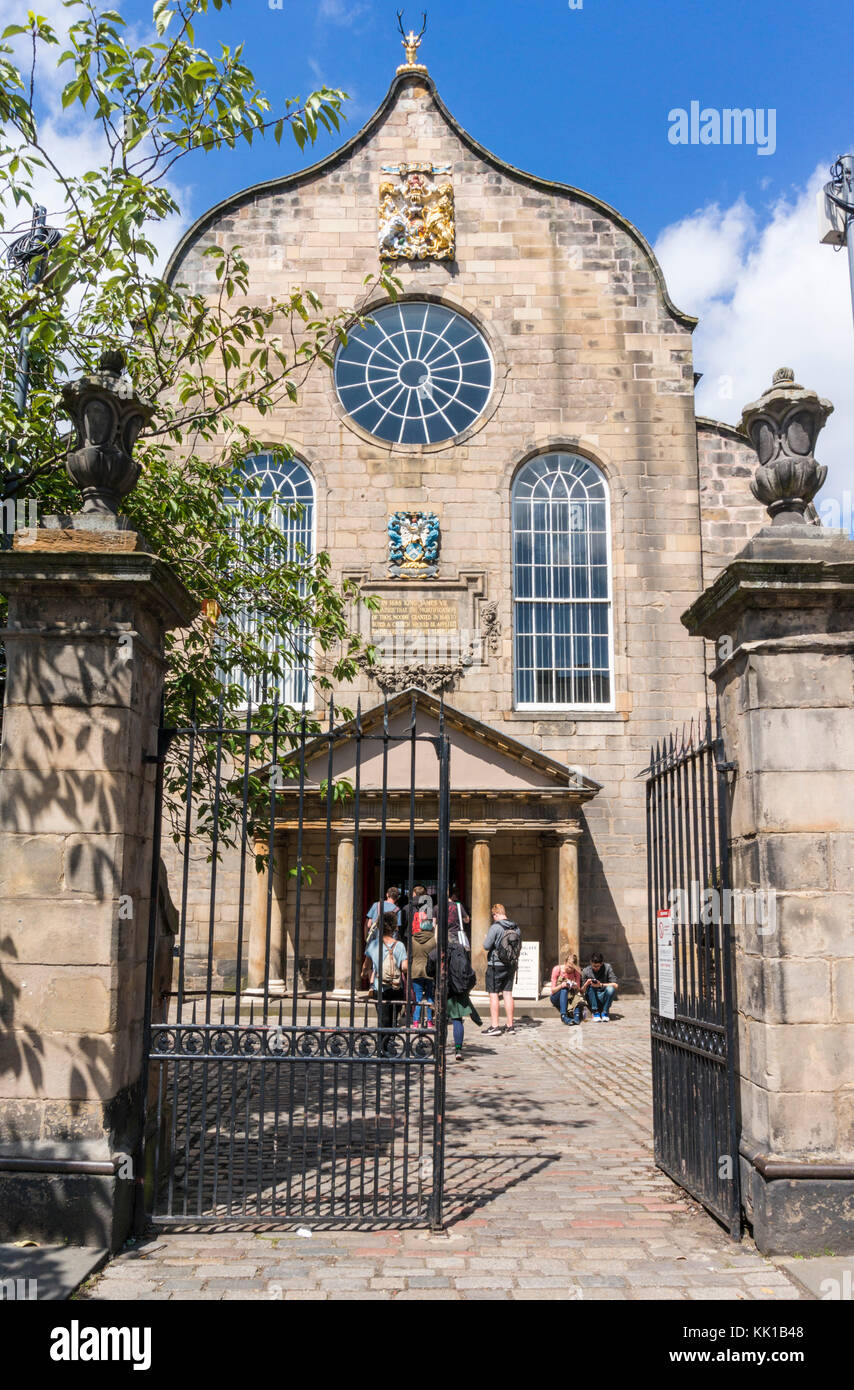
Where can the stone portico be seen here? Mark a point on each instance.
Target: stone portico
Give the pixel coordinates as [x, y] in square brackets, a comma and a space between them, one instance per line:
[515, 829]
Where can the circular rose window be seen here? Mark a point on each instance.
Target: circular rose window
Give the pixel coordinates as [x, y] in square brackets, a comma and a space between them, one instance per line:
[417, 374]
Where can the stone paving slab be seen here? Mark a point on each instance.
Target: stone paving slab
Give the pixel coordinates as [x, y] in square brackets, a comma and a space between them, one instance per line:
[551, 1193]
[50, 1272]
[827, 1277]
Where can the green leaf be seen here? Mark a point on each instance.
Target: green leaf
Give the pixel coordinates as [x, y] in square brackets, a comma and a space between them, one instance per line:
[213, 369]
[162, 15]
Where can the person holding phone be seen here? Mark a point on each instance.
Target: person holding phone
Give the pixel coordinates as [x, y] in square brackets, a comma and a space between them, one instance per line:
[599, 985]
[566, 992]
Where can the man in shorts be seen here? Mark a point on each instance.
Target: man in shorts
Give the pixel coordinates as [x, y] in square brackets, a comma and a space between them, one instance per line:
[499, 977]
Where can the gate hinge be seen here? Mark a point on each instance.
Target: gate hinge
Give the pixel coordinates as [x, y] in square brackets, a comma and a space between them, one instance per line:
[164, 742]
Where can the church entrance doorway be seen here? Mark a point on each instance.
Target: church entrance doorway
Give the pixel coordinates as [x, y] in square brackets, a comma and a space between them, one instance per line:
[392, 865]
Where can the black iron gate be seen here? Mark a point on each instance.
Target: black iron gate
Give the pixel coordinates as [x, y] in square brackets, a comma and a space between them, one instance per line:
[290, 1096]
[690, 916]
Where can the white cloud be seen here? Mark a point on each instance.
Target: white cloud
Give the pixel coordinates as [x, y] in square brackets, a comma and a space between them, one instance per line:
[702, 255]
[344, 12]
[768, 295]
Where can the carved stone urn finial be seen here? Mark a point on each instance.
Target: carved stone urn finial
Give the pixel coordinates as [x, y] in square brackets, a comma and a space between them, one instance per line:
[783, 426]
[107, 415]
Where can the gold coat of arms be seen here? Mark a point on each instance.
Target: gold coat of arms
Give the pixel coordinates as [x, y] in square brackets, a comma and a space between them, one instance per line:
[416, 214]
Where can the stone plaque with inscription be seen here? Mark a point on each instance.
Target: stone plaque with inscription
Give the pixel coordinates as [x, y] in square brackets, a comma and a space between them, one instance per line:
[424, 613]
[426, 633]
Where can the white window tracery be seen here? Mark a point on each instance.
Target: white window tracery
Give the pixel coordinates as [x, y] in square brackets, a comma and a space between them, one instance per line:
[562, 584]
[290, 487]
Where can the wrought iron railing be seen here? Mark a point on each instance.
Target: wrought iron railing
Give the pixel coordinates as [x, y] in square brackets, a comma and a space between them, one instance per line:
[270, 1096]
[691, 970]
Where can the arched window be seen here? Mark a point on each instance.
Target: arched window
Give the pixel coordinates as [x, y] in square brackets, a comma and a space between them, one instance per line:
[291, 487]
[562, 584]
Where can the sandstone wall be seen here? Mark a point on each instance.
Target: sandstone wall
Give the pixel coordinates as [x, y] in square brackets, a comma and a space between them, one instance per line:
[730, 514]
[592, 358]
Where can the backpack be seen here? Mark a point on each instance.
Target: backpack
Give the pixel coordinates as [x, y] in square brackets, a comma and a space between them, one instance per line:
[391, 978]
[509, 947]
[461, 976]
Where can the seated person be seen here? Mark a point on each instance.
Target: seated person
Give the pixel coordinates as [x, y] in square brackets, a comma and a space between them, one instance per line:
[599, 985]
[566, 991]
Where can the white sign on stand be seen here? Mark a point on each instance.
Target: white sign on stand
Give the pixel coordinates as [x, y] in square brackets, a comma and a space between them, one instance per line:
[527, 982]
[666, 978]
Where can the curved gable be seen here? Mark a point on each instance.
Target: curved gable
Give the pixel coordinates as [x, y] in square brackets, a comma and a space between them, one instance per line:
[289, 183]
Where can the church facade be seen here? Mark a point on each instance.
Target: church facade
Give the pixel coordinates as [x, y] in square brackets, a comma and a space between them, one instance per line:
[508, 458]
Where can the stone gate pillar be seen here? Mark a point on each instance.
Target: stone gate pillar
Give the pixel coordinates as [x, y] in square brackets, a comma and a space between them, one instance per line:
[781, 616]
[84, 649]
[89, 607]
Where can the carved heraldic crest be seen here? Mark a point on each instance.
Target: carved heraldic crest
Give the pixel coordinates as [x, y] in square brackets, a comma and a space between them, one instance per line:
[413, 544]
[416, 213]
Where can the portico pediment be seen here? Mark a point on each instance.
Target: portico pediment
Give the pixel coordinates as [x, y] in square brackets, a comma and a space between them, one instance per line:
[484, 761]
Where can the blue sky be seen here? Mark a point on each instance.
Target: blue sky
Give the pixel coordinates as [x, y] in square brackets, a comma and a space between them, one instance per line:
[583, 95]
[577, 95]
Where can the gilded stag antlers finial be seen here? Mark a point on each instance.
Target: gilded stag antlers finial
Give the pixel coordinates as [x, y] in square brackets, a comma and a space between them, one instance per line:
[411, 41]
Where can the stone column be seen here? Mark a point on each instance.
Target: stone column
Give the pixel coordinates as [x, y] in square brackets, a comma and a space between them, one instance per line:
[481, 899]
[258, 921]
[344, 925]
[568, 906]
[781, 616]
[88, 611]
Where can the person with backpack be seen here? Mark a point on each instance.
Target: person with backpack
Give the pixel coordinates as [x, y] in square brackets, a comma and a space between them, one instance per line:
[391, 904]
[461, 980]
[423, 942]
[420, 906]
[503, 946]
[388, 973]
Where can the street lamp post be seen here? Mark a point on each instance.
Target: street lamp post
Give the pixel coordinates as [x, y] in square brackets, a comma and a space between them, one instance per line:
[838, 197]
[27, 255]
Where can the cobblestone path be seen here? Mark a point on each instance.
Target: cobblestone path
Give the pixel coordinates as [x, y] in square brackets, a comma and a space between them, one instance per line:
[551, 1193]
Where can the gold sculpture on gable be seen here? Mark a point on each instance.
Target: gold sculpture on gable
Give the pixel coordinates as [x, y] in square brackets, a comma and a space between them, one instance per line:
[416, 214]
[411, 44]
